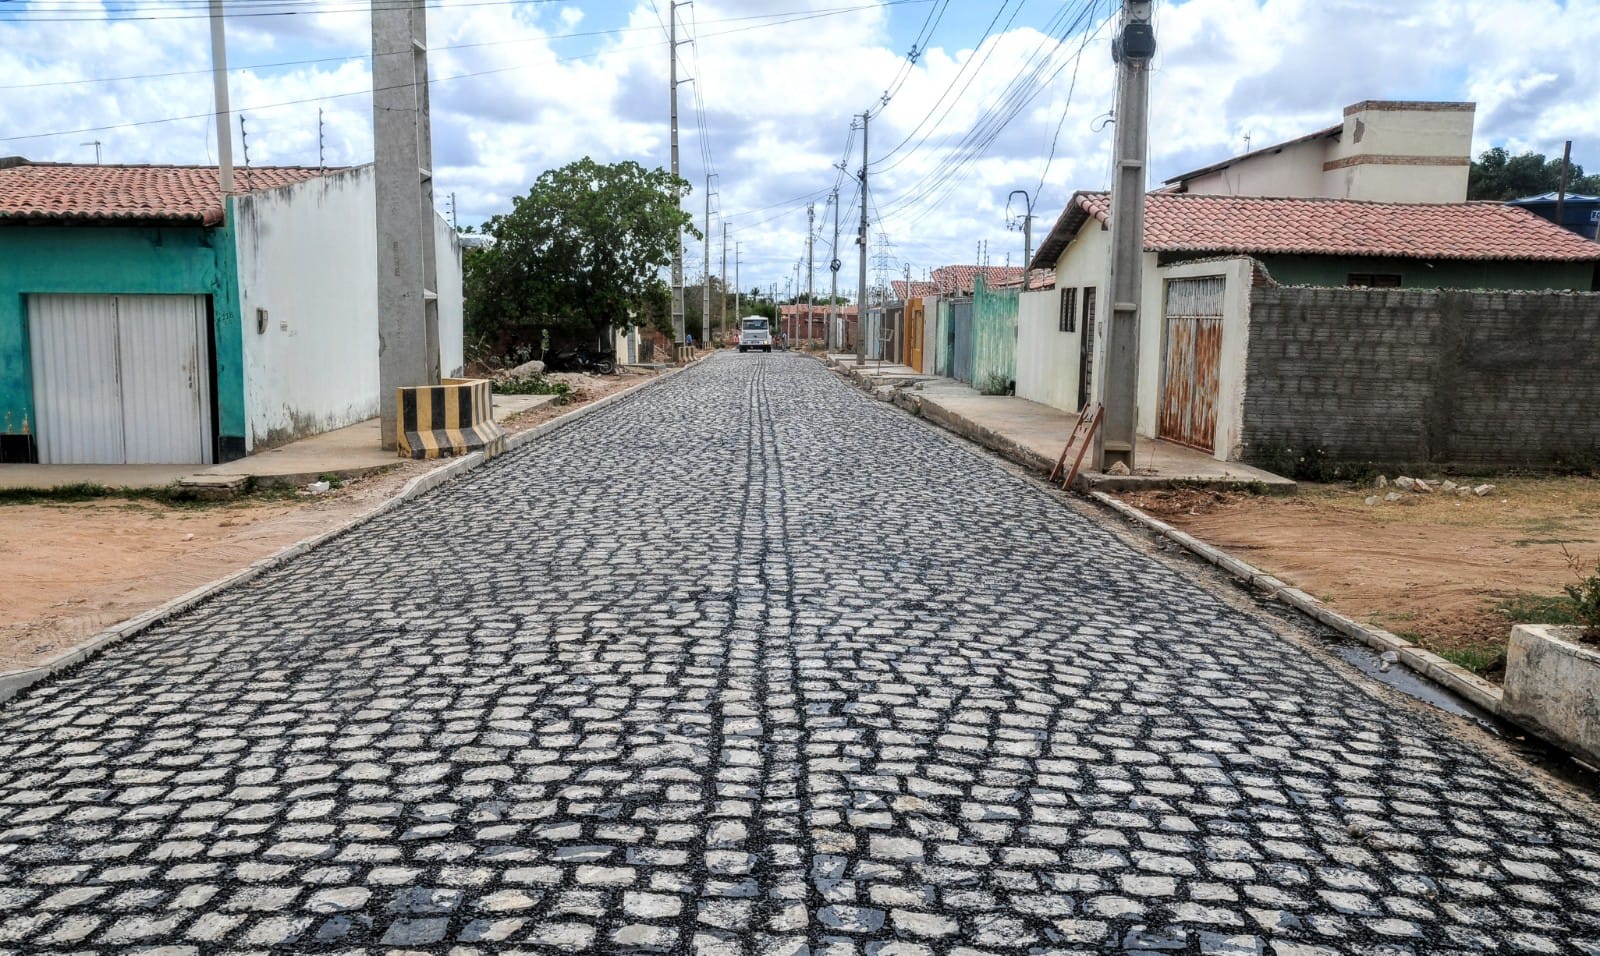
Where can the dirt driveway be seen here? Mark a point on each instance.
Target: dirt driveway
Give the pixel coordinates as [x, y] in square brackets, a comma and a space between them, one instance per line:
[1450, 573]
[70, 569]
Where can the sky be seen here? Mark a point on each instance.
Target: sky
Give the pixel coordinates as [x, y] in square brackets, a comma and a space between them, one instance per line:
[1000, 95]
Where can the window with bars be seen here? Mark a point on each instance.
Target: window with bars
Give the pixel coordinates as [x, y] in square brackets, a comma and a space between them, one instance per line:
[1069, 311]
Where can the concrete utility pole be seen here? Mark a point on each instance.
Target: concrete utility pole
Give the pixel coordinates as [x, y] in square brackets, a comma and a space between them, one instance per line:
[861, 240]
[833, 267]
[738, 311]
[219, 93]
[811, 270]
[408, 305]
[723, 296]
[705, 297]
[1027, 233]
[1132, 49]
[677, 248]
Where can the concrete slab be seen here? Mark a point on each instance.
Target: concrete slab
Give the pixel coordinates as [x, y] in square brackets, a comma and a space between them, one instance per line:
[1033, 435]
[112, 476]
[505, 406]
[346, 453]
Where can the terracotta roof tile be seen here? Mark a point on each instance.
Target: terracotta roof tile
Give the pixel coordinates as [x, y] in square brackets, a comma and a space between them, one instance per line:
[1342, 227]
[171, 194]
[963, 279]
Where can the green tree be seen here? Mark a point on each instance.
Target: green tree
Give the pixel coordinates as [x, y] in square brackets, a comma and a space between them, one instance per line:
[1498, 175]
[581, 252]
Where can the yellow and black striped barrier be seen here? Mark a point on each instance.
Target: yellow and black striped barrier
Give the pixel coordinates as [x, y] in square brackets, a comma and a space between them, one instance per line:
[455, 417]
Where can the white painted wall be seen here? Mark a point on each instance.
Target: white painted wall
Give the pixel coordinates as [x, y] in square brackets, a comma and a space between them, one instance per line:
[447, 256]
[1047, 358]
[1294, 170]
[308, 255]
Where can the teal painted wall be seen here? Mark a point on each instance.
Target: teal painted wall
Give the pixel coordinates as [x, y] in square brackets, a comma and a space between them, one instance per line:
[126, 260]
[994, 338]
[1440, 274]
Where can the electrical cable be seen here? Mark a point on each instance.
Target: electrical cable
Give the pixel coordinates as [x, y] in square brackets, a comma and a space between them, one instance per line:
[431, 80]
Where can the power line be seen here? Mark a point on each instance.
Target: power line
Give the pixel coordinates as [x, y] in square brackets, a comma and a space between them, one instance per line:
[968, 62]
[1023, 88]
[432, 80]
[312, 8]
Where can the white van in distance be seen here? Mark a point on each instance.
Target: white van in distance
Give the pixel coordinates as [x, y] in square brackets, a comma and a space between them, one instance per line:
[754, 333]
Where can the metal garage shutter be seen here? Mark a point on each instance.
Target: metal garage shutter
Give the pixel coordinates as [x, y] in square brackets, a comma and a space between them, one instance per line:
[120, 379]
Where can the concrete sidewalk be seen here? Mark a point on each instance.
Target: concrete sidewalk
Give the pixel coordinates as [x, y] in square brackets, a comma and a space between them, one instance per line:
[346, 453]
[1032, 435]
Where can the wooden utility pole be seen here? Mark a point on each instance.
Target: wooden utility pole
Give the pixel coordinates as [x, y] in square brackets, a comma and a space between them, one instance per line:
[1561, 192]
[1132, 49]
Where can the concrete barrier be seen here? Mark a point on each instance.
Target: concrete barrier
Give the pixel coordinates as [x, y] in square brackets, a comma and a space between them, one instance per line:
[1553, 687]
[455, 417]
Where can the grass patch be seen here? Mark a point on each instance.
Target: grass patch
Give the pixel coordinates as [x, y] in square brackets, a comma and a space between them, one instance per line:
[169, 495]
[1557, 609]
[533, 385]
[1480, 659]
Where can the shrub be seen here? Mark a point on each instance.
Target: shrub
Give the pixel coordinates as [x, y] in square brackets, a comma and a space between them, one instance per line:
[995, 383]
[1585, 594]
[533, 385]
[1313, 464]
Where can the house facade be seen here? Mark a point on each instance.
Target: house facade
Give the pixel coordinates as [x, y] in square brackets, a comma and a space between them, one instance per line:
[1205, 253]
[147, 318]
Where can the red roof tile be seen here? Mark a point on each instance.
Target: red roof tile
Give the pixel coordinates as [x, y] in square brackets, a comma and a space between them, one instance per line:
[1183, 222]
[171, 194]
[961, 280]
[918, 288]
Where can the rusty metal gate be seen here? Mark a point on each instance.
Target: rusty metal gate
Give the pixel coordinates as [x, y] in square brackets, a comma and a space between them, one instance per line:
[1193, 354]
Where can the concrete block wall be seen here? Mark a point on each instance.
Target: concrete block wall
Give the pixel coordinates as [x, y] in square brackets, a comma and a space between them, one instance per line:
[1414, 376]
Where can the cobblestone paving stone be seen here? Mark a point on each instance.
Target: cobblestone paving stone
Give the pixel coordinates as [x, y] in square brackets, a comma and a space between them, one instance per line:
[861, 692]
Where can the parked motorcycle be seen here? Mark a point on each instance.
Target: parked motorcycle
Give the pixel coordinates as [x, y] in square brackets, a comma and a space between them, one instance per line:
[582, 360]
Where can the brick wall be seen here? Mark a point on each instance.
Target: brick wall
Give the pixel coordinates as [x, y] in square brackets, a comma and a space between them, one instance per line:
[1411, 376]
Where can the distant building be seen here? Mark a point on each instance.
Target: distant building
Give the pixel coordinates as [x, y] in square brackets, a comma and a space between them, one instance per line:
[1579, 213]
[1383, 151]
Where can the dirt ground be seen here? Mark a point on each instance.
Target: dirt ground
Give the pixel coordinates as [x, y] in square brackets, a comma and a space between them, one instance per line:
[68, 570]
[1437, 569]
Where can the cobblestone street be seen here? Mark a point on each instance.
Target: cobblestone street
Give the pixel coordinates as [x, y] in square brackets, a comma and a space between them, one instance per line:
[751, 663]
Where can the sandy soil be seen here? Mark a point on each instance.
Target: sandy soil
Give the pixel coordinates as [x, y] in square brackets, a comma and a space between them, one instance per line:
[1433, 570]
[70, 570]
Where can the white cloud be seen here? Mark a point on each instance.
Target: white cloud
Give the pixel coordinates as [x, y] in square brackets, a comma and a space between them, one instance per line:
[511, 101]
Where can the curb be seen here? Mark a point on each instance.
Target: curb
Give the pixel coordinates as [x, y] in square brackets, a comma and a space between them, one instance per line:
[1424, 663]
[14, 682]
